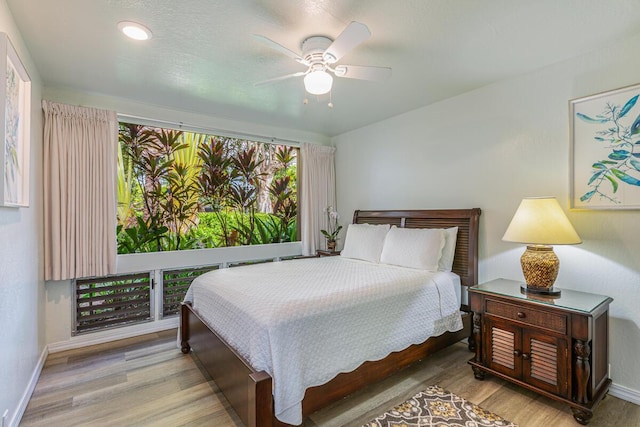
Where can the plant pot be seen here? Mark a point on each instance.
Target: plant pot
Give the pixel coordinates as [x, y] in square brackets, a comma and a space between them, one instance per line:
[331, 245]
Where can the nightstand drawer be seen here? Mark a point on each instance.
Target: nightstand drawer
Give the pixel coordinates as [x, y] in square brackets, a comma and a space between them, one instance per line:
[544, 319]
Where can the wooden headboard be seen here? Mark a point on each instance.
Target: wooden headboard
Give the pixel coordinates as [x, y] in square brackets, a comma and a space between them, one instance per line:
[465, 261]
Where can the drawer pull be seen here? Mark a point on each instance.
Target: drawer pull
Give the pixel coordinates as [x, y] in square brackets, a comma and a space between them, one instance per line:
[521, 315]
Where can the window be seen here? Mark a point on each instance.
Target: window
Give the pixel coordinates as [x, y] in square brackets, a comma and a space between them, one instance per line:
[126, 299]
[174, 287]
[185, 190]
[112, 301]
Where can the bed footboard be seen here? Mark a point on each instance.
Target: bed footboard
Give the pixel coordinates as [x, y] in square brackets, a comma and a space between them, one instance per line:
[248, 391]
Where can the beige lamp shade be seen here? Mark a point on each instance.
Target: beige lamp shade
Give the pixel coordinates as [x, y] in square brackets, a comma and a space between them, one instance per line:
[541, 221]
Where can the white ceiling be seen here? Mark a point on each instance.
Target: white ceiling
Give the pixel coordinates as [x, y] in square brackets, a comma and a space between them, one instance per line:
[203, 57]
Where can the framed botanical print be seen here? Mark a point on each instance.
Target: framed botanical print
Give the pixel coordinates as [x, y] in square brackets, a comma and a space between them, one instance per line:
[15, 113]
[605, 150]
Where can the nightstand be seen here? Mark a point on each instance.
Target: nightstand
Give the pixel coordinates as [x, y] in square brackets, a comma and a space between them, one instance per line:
[556, 346]
[325, 252]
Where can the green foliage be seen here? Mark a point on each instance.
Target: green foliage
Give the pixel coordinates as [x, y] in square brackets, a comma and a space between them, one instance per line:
[268, 229]
[621, 165]
[182, 190]
[142, 237]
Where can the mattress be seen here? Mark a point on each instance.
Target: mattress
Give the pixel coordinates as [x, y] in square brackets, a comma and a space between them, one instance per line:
[305, 321]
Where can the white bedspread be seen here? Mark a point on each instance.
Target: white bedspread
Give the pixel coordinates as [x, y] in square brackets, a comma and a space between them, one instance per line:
[305, 321]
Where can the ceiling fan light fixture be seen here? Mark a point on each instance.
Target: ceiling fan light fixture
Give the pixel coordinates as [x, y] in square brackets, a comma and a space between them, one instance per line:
[134, 30]
[318, 82]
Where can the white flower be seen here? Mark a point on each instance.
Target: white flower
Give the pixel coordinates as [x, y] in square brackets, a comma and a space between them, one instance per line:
[331, 233]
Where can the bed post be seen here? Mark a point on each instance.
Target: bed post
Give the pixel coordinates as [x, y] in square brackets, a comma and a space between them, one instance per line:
[261, 400]
[184, 328]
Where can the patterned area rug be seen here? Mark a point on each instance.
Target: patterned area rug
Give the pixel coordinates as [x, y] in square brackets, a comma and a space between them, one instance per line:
[436, 407]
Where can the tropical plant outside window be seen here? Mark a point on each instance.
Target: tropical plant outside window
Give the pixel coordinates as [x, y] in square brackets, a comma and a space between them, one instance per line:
[186, 190]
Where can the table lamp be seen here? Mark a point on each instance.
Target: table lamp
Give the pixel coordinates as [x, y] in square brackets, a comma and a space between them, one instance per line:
[540, 222]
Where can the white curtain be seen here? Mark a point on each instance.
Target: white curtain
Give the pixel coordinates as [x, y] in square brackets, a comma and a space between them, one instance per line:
[317, 192]
[80, 191]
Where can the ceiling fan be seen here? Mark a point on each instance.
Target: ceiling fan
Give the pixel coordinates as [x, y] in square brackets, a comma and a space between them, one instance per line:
[320, 53]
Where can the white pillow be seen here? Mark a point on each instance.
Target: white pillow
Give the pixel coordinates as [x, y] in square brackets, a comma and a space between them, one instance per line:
[364, 241]
[419, 248]
[446, 260]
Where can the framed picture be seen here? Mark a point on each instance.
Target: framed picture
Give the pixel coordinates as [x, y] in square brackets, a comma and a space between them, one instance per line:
[15, 113]
[605, 150]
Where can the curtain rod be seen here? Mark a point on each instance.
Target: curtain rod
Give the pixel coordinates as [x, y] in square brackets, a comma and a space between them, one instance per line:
[214, 131]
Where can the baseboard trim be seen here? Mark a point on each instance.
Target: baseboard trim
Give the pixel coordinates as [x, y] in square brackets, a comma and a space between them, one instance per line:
[625, 393]
[26, 396]
[80, 341]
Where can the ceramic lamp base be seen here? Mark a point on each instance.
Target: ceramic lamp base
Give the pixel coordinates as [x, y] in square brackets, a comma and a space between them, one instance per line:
[540, 267]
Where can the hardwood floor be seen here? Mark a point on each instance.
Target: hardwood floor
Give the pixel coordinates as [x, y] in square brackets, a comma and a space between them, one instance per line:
[147, 381]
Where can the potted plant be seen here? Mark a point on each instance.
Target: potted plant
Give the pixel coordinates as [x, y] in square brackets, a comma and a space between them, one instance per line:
[333, 228]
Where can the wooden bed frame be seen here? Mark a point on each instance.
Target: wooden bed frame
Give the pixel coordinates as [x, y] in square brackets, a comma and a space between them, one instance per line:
[250, 392]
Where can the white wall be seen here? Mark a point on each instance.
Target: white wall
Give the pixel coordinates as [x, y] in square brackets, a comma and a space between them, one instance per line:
[490, 148]
[21, 262]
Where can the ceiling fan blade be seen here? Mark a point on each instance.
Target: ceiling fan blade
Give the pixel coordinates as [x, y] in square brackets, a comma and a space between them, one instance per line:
[277, 79]
[363, 72]
[352, 36]
[280, 48]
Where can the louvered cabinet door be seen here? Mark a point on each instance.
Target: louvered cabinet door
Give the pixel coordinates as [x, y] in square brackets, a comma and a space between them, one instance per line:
[503, 347]
[545, 362]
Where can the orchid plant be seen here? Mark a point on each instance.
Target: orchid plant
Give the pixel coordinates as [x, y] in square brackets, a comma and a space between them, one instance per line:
[333, 228]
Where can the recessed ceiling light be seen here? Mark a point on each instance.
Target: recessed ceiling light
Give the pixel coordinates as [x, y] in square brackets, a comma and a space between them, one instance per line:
[134, 30]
